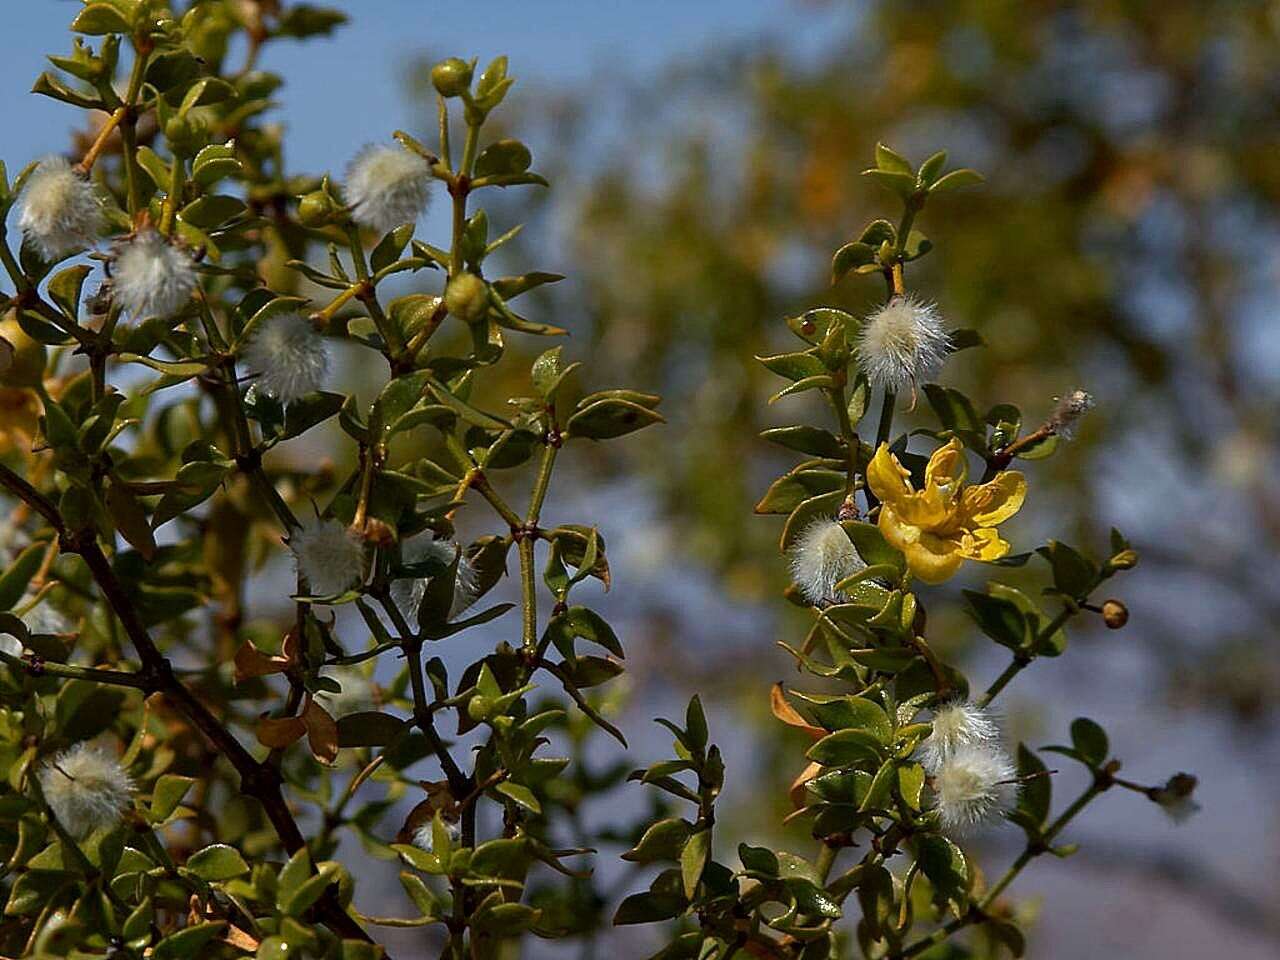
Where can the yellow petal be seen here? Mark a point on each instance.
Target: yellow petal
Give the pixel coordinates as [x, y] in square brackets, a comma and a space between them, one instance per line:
[947, 468]
[886, 477]
[928, 509]
[933, 559]
[897, 532]
[984, 544]
[995, 502]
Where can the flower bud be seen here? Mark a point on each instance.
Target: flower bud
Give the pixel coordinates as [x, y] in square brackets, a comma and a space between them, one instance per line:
[1124, 560]
[1115, 614]
[451, 77]
[478, 707]
[186, 133]
[315, 209]
[467, 297]
[22, 365]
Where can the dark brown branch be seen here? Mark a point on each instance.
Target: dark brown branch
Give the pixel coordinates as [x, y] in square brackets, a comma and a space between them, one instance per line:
[258, 780]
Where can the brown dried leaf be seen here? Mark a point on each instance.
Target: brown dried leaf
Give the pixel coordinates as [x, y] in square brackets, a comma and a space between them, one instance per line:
[322, 732]
[252, 662]
[796, 791]
[784, 711]
[279, 732]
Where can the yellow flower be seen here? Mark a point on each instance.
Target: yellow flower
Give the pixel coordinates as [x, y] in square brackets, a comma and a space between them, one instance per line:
[946, 523]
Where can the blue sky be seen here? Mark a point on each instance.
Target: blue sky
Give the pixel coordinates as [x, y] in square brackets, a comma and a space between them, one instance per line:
[357, 74]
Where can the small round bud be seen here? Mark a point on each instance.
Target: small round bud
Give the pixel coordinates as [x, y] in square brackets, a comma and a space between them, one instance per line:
[1115, 614]
[478, 707]
[22, 359]
[1124, 560]
[467, 297]
[451, 77]
[315, 209]
[186, 133]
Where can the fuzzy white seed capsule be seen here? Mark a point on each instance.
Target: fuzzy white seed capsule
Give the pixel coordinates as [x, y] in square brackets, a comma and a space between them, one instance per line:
[424, 836]
[975, 783]
[1069, 409]
[407, 594]
[821, 557]
[60, 211]
[329, 556]
[86, 787]
[289, 357]
[956, 725]
[902, 343]
[387, 186]
[152, 277]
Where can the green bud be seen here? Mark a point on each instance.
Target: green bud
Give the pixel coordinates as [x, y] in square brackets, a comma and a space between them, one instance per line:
[1124, 560]
[452, 77]
[315, 209]
[478, 707]
[186, 133]
[467, 297]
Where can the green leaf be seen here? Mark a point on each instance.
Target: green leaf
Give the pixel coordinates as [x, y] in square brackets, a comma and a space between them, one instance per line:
[506, 156]
[187, 942]
[521, 794]
[693, 861]
[173, 368]
[932, 168]
[819, 382]
[811, 440]
[956, 179]
[664, 840]
[548, 373]
[167, 794]
[801, 484]
[903, 184]
[850, 257]
[503, 858]
[849, 713]
[1090, 741]
[98, 19]
[309, 891]
[947, 869]
[14, 581]
[648, 907]
[211, 211]
[292, 876]
[795, 366]
[953, 408]
[607, 419]
[368, 728]
[64, 288]
[217, 862]
[871, 545]
[846, 748]
[911, 784]
[1036, 791]
[390, 246]
[999, 619]
[887, 159]
[759, 860]
[1073, 574]
[579, 622]
[695, 725]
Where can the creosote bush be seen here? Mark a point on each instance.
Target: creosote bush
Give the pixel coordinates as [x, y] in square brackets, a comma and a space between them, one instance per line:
[181, 764]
